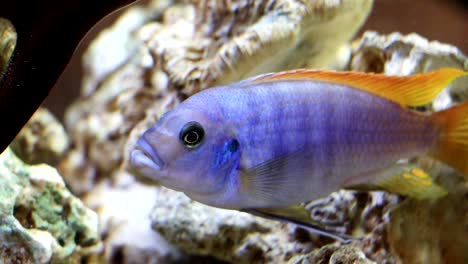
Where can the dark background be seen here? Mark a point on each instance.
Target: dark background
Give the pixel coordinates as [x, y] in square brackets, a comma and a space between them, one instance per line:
[442, 20]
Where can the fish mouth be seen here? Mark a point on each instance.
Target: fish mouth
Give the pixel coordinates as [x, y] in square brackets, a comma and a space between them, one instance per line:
[144, 155]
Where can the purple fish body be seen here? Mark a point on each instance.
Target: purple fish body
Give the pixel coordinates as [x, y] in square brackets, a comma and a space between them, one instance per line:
[278, 143]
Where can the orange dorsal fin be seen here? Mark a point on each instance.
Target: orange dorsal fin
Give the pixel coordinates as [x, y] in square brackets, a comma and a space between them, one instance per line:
[413, 90]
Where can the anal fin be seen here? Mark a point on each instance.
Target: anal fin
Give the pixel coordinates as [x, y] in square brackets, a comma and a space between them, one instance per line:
[300, 216]
[408, 180]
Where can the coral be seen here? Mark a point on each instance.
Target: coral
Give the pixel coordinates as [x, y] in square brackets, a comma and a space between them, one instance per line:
[41, 221]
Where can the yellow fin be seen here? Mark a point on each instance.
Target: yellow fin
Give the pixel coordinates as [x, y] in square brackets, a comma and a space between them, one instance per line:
[407, 180]
[413, 182]
[452, 147]
[414, 90]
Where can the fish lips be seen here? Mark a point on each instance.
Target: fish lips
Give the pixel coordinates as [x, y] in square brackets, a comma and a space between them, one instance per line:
[145, 160]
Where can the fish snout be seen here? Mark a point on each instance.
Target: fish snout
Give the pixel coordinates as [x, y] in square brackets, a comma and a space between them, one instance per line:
[145, 161]
[149, 152]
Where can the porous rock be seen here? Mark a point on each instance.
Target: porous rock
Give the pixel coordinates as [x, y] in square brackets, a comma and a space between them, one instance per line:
[333, 254]
[242, 238]
[41, 140]
[224, 234]
[431, 231]
[41, 221]
[124, 215]
[8, 39]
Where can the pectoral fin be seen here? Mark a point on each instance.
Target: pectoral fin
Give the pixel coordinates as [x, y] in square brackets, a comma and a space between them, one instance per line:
[414, 90]
[407, 180]
[299, 216]
[280, 181]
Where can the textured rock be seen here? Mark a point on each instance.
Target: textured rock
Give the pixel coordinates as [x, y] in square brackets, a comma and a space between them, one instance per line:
[41, 222]
[242, 238]
[126, 226]
[398, 54]
[334, 255]
[7, 43]
[227, 235]
[431, 232]
[211, 42]
[42, 139]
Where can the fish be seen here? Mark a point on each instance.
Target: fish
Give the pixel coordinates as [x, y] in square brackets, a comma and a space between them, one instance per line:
[270, 142]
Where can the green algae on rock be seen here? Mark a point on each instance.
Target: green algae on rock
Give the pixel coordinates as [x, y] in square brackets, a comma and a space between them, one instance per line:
[41, 221]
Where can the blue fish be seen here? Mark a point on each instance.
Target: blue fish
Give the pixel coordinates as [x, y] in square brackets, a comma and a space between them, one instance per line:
[281, 139]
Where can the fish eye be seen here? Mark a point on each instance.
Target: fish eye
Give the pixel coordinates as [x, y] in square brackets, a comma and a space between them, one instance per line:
[191, 134]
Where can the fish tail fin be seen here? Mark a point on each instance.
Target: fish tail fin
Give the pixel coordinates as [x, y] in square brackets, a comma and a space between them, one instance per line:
[452, 147]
